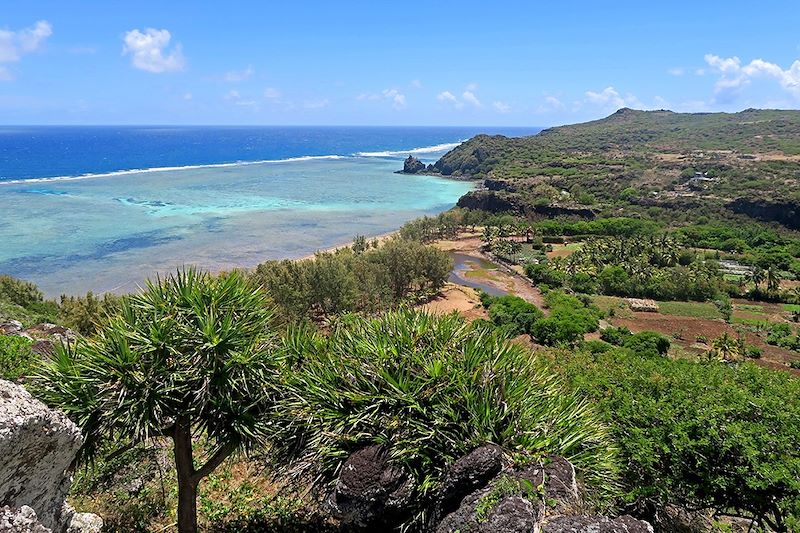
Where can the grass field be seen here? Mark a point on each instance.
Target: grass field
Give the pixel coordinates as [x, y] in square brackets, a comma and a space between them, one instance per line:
[691, 309]
[607, 303]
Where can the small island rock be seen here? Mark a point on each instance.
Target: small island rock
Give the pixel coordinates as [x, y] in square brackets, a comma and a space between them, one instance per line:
[412, 165]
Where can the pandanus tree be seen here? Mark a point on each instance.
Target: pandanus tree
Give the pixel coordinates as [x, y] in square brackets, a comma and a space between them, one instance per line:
[189, 359]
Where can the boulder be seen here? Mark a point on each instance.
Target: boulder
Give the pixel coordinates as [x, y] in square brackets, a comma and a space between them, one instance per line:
[488, 511]
[9, 327]
[469, 473]
[51, 332]
[22, 520]
[371, 492]
[85, 523]
[37, 450]
[538, 496]
[412, 165]
[596, 524]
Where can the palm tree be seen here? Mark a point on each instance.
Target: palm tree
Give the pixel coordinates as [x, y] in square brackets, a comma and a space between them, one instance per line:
[757, 276]
[190, 357]
[727, 348]
[773, 278]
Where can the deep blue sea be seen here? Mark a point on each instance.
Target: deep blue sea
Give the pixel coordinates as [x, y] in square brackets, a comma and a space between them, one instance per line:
[104, 208]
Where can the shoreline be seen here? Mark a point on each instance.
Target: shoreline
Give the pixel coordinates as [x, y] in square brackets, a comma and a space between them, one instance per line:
[381, 238]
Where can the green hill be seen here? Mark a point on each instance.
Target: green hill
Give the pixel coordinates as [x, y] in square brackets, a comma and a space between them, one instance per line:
[725, 163]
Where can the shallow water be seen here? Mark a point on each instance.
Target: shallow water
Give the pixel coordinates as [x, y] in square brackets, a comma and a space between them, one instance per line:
[463, 263]
[111, 233]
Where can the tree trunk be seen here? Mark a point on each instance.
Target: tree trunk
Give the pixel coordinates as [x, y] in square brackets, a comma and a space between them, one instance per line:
[187, 506]
[187, 484]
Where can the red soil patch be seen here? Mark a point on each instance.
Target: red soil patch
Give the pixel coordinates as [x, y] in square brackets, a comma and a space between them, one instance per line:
[689, 328]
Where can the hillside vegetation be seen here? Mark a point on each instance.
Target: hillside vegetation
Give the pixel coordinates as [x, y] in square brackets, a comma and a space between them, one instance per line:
[742, 163]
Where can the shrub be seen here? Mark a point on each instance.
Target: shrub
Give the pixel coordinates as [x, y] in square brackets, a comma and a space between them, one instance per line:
[16, 358]
[512, 313]
[345, 281]
[699, 435]
[540, 273]
[754, 352]
[613, 280]
[647, 343]
[595, 346]
[431, 389]
[19, 292]
[615, 335]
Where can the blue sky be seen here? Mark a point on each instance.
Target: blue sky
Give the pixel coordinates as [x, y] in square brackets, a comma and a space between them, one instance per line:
[389, 63]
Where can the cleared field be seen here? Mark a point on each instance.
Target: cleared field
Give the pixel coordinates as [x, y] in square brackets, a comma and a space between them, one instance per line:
[705, 310]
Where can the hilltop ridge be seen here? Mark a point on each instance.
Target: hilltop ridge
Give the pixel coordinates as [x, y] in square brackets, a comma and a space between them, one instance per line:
[744, 163]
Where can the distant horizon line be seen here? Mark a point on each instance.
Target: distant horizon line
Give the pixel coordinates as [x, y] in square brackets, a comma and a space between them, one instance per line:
[259, 126]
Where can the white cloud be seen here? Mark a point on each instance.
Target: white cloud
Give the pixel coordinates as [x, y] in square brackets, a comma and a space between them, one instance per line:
[235, 76]
[677, 71]
[398, 99]
[550, 104]
[449, 98]
[149, 51]
[734, 75]
[15, 44]
[233, 94]
[610, 97]
[501, 107]
[467, 97]
[188, 96]
[271, 93]
[470, 98]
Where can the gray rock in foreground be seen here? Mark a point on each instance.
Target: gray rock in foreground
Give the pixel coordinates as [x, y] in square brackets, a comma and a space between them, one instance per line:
[37, 448]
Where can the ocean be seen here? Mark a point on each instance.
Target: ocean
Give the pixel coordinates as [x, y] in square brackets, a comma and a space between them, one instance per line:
[104, 208]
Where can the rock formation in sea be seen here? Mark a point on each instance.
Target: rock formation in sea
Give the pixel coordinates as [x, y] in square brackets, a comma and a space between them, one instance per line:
[412, 165]
[37, 452]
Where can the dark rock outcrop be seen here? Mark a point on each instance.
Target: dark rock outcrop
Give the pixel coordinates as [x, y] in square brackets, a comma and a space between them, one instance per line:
[469, 473]
[784, 212]
[412, 165]
[482, 492]
[499, 185]
[371, 492]
[596, 524]
[487, 201]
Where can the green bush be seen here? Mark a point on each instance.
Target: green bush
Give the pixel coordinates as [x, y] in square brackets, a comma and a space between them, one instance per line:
[515, 315]
[569, 320]
[19, 292]
[615, 335]
[345, 281]
[540, 273]
[699, 435]
[431, 389]
[16, 358]
[647, 343]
